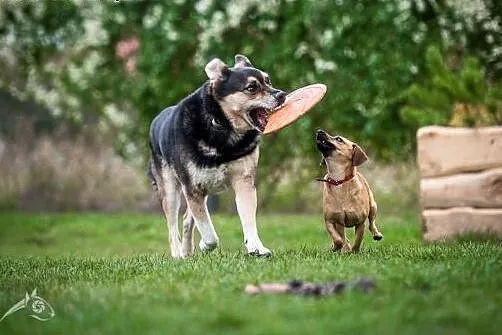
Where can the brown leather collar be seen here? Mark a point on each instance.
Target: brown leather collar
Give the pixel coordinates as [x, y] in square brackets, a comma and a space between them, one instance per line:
[335, 182]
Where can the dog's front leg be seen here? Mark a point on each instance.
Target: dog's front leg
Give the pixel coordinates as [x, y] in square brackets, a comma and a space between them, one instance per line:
[245, 199]
[198, 208]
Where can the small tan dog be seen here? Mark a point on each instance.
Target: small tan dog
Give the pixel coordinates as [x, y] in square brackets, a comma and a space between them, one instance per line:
[347, 197]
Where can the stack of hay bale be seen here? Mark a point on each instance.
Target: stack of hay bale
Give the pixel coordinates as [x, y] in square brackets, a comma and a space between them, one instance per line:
[461, 181]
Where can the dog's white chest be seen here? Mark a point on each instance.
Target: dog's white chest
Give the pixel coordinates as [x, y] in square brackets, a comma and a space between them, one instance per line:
[209, 179]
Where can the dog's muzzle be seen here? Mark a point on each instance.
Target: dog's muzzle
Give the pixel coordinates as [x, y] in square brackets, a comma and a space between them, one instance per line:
[323, 143]
[259, 115]
[280, 96]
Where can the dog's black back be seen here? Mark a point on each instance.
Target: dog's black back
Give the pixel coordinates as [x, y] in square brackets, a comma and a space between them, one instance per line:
[176, 134]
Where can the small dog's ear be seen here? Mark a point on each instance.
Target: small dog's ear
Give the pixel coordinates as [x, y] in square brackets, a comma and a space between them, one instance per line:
[358, 155]
[216, 69]
[242, 61]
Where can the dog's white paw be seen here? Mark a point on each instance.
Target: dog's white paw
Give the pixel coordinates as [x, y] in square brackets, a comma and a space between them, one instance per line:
[257, 249]
[176, 253]
[203, 246]
[186, 251]
[377, 236]
[175, 246]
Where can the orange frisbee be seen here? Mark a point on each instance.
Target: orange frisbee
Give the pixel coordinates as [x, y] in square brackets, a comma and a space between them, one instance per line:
[296, 104]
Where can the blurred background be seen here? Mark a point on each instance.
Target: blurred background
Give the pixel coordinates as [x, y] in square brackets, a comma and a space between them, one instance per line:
[81, 80]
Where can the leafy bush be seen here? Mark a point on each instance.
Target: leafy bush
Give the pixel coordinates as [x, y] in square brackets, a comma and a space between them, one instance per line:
[453, 97]
[114, 65]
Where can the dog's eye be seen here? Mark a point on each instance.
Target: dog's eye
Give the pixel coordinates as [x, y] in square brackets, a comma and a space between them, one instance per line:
[252, 88]
[338, 139]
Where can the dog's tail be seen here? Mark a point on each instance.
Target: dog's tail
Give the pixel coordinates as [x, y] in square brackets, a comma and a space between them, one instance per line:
[151, 174]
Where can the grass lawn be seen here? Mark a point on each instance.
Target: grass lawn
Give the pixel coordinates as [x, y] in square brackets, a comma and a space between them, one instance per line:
[112, 274]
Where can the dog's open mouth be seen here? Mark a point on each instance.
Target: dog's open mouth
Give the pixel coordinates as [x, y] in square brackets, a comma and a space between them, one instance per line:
[324, 146]
[259, 117]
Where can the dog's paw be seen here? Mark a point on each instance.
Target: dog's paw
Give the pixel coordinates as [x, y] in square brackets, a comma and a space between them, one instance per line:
[203, 246]
[177, 255]
[258, 250]
[185, 253]
[187, 249]
[377, 237]
[176, 252]
[258, 253]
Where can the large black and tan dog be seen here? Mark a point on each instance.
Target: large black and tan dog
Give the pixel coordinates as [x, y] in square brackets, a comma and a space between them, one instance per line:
[208, 141]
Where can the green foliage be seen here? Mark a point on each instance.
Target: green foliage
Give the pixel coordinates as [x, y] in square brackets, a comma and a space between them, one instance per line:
[64, 55]
[453, 97]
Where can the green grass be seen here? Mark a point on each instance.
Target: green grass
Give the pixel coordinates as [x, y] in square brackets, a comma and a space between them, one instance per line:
[112, 274]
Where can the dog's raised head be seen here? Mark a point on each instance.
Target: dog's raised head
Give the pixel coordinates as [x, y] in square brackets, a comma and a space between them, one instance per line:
[339, 150]
[244, 93]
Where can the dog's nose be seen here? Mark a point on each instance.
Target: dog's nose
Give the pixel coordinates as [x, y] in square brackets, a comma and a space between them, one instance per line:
[280, 96]
[320, 132]
[321, 135]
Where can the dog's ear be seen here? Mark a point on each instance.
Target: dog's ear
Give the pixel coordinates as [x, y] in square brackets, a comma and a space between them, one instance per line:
[216, 69]
[242, 61]
[358, 155]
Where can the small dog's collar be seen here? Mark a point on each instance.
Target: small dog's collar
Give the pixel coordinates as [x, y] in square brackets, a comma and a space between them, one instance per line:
[335, 182]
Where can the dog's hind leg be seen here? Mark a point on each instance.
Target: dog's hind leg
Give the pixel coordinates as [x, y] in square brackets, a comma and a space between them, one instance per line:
[359, 237]
[197, 206]
[377, 236]
[170, 192]
[187, 242]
